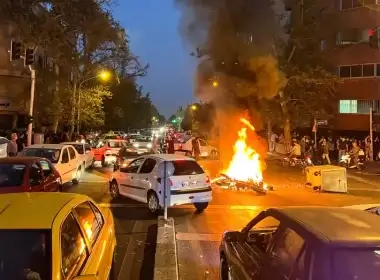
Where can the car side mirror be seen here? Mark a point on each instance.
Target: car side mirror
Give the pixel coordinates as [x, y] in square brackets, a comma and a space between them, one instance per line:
[231, 236]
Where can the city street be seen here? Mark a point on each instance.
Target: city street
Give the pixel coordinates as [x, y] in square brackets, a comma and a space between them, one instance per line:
[198, 234]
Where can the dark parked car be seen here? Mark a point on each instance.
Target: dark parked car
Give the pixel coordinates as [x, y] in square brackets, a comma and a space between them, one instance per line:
[127, 154]
[28, 174]
[304, 243]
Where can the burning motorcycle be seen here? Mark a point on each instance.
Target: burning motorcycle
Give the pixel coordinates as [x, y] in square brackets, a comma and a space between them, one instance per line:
[345, 161]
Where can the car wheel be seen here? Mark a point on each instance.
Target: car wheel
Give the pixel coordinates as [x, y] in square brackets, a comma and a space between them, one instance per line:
[104, 164]
[153, 203]
[78, 175]
[92, 163]
[285, 163]
[201, 206]
[114, 189]
[225, 273]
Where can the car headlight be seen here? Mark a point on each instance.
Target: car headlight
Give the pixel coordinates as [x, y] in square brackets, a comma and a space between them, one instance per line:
[135, 145]
[149, 146]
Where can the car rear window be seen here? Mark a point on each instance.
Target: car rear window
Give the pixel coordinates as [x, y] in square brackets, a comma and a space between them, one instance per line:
[25, 254]
[356, 264]
[50, 154]
[116, 144]
[186, 167]
[11, 175]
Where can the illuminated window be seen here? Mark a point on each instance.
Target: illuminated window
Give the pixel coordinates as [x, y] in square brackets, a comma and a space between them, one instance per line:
[348, 106]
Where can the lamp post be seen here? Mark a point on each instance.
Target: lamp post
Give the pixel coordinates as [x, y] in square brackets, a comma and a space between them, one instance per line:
[104, 75]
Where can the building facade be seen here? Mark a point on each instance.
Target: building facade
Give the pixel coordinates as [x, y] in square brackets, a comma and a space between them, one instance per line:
[14, 83]
[345, 29]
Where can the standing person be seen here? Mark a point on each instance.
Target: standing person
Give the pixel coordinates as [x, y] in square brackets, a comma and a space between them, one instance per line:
[272, 143]
[155, 144]
[367, 148]
[21, 142]
[342, 148]
[171, 145]
[196, 149]
[325, 151]
[12, 148]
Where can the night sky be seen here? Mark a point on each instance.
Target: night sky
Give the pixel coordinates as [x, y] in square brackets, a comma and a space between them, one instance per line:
[153, 29]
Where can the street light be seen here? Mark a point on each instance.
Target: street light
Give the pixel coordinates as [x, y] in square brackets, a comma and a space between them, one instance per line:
[193, 107]
[215, 84]
[104, 75]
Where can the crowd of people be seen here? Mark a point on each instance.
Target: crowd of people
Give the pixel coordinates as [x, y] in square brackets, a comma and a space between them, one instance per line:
[328, 149]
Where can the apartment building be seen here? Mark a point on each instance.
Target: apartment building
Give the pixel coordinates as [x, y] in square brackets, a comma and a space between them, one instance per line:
[14, 83]
[346, 26]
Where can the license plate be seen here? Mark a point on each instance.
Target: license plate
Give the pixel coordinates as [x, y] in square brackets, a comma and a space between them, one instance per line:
[189, 184]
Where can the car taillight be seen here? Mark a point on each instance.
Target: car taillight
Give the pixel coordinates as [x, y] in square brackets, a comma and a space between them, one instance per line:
[170, 182]
[180, 147]
[207, 179]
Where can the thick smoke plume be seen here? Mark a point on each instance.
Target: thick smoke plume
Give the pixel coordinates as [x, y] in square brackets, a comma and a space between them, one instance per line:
[234, 40]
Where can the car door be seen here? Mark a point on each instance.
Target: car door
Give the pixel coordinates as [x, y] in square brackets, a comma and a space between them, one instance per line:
[36, 178]
[64, 167]
[251, 249]
[88, 154]
[145, 178]
[74, 161]
[98, 151]
[286, 257]
[51, 182]
[93, 226]
[130, 184]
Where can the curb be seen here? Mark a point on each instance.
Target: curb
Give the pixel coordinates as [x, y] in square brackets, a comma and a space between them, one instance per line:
[166, 262]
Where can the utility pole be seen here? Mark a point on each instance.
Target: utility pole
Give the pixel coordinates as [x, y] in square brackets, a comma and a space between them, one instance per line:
[30, 117]
[371, 132]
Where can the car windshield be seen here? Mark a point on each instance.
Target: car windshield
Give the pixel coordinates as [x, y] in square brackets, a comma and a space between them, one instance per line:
[111, 137]
[116, 144]
[12, 174]
[79, 148]
[145, 139]
[186, 167]
[356, 264]
[50, 154]
[25, 254]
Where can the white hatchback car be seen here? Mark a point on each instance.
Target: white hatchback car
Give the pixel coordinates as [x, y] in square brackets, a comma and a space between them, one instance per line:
[64, 157]
[85, 153]
[141, 181]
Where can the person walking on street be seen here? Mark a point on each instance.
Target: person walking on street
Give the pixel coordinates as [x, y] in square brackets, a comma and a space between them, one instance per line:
[272, 143]
[196, 149]
[325, 151]
[342, 148]
[12, 147]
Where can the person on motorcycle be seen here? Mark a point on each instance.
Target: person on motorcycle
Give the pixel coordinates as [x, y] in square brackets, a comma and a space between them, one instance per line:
[296, 150]
[354, 154]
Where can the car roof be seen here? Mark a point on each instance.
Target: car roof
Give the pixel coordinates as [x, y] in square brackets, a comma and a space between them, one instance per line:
[72, 143]
[33, 210]
[170, 157]
[20, 160]
[46, 146]
[335, 225]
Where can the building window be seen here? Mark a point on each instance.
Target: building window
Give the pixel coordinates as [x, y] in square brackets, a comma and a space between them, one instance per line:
[352, 36]
[360, 107]
[358, 71]
[349, 4]
[348, 106]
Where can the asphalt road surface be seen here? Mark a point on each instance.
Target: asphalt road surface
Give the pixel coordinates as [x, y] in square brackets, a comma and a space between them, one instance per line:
[198, 234]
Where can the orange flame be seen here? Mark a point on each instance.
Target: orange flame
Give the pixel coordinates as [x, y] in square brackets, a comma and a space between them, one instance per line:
[245, 164]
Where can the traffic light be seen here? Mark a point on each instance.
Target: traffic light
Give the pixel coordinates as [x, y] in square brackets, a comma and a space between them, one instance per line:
[174, 121]
[374, 38]
[30, 119]
[29, 57]
[15, 50]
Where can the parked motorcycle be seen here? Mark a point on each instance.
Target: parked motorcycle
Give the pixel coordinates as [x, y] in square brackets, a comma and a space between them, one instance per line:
[301, 162]
[345, 161]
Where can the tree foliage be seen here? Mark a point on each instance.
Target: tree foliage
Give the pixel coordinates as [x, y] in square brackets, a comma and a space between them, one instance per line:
[80, 38]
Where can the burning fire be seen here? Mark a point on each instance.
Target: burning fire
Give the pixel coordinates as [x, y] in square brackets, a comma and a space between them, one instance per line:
[245, 164]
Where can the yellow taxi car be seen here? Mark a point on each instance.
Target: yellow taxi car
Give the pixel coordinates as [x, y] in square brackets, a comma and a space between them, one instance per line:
[51, 236]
